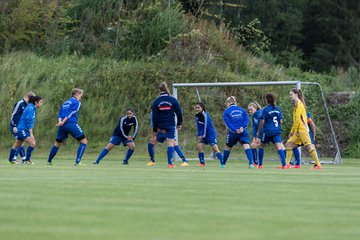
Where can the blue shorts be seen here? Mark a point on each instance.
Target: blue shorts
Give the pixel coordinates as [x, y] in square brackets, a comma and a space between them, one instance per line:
[116, 140]
[22, 135]
[71, 128]
[12, 131]
[267, 138]
[162, 135]
[209, 140]
[233, 138]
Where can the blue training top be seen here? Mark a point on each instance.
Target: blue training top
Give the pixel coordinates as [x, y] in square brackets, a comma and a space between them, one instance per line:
[27, 118]
[310, 129]
[256, 121]
[18, 110]
[124, 126]
[204, 124]
[272, 116]
[235, 117]
[163, 110]
[70, 109]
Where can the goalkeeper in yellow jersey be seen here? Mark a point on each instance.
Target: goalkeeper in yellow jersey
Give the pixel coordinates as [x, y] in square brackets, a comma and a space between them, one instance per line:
[299, 133]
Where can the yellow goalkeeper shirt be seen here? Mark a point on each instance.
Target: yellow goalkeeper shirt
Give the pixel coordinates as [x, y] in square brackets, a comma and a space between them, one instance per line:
[299, 118]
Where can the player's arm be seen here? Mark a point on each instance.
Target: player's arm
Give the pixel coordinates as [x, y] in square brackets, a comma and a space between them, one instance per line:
[154, 116]
[228, 123]
[178, 113]
[136, 126]
[259, 128]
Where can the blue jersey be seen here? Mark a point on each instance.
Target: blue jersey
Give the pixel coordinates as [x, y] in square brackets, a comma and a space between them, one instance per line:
[311, 133]
[70, 109]
[235, 117]
[272, 116]
[204, 124]
[27, 118]
[124, 126]
[18, 110]
[255, 121]
[164, 109]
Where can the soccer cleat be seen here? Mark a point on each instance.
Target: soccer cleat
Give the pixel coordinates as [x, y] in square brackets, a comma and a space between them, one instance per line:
[296, 166]
[125, 163]
[96, 162]
[184, 164]
[151, 163]
[171, 166]
[316, 167]
[260, 167]
[79, 164]
[255, 164]
[251, 166]
[28, 162]
[284, 167]
[49, 163]
[222, 166]
[202, 165]
[14, 162]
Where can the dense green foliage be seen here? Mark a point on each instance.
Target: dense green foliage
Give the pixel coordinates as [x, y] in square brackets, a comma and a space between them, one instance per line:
[109, 201]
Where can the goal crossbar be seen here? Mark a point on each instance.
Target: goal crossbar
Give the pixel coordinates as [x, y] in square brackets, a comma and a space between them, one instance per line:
[297, 84]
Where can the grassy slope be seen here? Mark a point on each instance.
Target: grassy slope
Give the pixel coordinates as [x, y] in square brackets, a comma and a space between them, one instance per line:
[111, 201]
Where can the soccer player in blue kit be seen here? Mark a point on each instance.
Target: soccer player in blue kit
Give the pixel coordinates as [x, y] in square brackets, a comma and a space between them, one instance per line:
[236, 120]
[122, 135]
[271, 121]
[25, 130]
[18, 109]
[206, 133]
[68, 124]
[164, 108]
[255, 111]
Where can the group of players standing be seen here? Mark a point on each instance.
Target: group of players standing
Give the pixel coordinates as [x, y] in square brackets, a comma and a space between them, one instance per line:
[266, 128]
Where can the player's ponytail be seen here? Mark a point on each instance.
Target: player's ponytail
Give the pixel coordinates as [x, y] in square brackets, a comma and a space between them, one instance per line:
[270, 99]
[163, 87]
[300, 95]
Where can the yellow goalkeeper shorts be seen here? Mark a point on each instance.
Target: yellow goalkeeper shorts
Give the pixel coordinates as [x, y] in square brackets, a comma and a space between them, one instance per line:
[301, 137]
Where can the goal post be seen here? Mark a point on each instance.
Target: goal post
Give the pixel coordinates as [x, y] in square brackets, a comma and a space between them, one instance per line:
[296, 84]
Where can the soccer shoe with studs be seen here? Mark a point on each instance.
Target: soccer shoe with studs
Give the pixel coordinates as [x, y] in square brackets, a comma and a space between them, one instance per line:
[260, 167]
[296, 166]
[316, 167]
[251, 166]
[256, 165]
[28, 162]
[96, 162]
[14, 162]
[151, 163]
[222, 166]
[184, 164]
[171, 166]
[201, 164]
[284, 167]
[125, 163]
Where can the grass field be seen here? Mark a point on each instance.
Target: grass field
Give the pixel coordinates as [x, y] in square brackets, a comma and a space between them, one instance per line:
[111, 201]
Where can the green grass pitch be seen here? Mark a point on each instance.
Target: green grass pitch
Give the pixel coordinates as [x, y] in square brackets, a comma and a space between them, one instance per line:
[111, 201]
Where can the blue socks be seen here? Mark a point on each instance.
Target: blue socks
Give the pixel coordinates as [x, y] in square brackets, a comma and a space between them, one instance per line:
[80, 153]
[201, 157]
[296, 154]
[261, 156]
[151, 151]
[220, 157]
[226, 156]
[249, 155]
[255, 157]
[12, 154]
[180, 153]
[52, 153]
[170, 153]
[29, 151]
[102, 155]
[282, 157]
[128, 155]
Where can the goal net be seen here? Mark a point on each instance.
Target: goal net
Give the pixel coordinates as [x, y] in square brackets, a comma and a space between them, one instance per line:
[213, 95]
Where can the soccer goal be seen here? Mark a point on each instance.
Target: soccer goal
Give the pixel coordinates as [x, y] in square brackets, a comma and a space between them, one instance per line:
[328, 149]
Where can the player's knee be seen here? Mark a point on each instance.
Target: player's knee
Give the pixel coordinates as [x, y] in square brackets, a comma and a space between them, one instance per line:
[310, 147]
